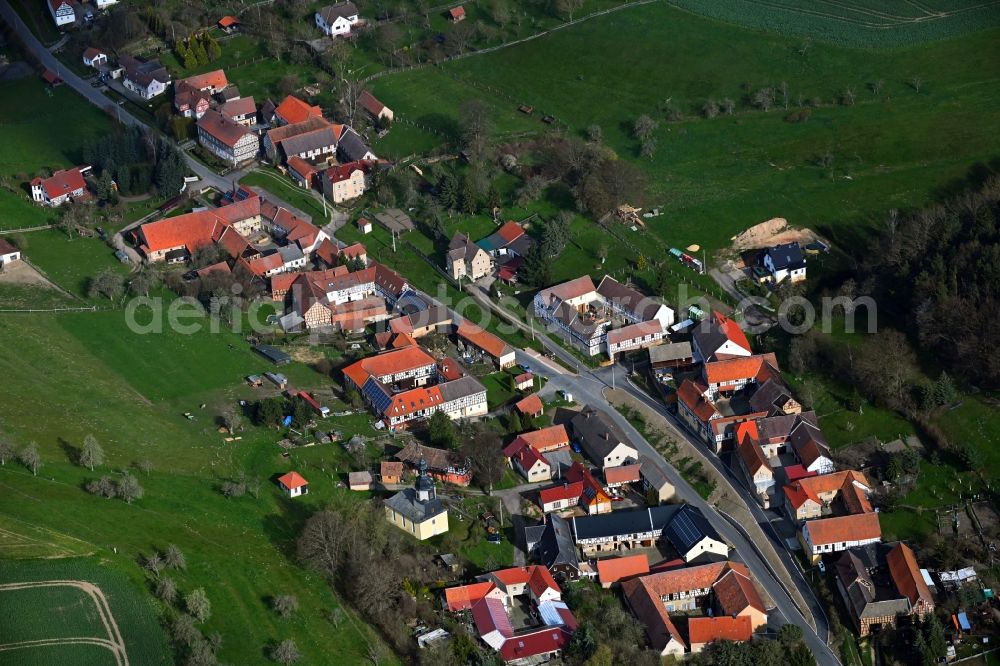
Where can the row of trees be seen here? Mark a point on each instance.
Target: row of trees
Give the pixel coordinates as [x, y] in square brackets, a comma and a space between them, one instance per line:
[937, 270]
[197, 50]
[136, 161]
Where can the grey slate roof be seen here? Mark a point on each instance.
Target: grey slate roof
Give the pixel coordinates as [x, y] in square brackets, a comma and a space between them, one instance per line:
[405, 502]
[461, 248]
[460, 388]
[621, 523]
[770, 397]
[290, 253]
[597, 433]
[351, 147]
[652, 473]
[675, 351]
[331, 13]
[554, 543]
[627, 298]
[786, 256]
[308, 141]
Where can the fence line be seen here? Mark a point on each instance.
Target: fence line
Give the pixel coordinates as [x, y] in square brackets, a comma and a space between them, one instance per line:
[25, 229]
[92, 308]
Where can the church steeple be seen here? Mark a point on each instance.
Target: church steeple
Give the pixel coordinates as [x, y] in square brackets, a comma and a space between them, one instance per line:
[424, 483]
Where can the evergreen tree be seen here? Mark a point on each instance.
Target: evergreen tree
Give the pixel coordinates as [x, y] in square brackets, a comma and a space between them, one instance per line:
[441, 430]
[944, 390]
[492, 197]
[448, 192]
[212, 48]
[470, 202]
[190, 59]
[937, 644]
[199, 51]
[537, 269]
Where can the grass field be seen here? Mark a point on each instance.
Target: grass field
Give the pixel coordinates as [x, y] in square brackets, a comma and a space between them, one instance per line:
[238, 550]
[39, 131]
[64, 612]
[863, 23]
[716, 177]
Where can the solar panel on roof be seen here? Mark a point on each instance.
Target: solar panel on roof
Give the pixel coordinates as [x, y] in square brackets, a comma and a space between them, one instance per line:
[686, 530]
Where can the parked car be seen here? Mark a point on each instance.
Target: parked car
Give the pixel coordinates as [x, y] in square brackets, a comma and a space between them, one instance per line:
[494, 538]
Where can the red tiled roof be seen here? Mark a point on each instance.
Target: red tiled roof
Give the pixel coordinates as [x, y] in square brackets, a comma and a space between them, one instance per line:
[390, 468]
[546, 439]
[483, 339]
[703, 630]
[293, 110]
[327, 250]
[292, 480]
[567, 290]
[62, 182]
[633, 331]
[691, 395]
[457, 12]
[243, 106]
[731, 329]
[690, 578]
[523, 378]
[906, 575]
[370, 103]
[530, 405]
[651, 612]
[759, 367]
[389, 363]
[51, 77]
[448, 367]
[228, 21]
[853, 527]
[752, 456]
[796, 472]
[735, 592]
[510, 231]
[562, 492]
[215, 79]
[223, 128]
[622, 474]
[91, 52]
[355, 251]
[464, 597]
[615, 569]
[221, 267]
[527, 457]
[192, 230]
[344, 171]
[593, 492]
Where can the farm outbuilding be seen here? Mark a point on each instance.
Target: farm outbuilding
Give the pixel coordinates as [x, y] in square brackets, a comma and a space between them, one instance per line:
[293, 484]
[276, 356]
[359, 480]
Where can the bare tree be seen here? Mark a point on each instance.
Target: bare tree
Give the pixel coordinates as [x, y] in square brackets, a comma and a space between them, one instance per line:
[231, 419]
[595, 133]
[153, 564]
[174, 558]
[91, 455]
[644, 127]
[484, 451]
[763, 98]
[6, 450]
[30, 458]
[476, 127]
[286, 652]
[166, 590]
[728, 106]
[129, 488]
[849, 96]
[877, 85]
[198, 605]
[784, 93]
[321, 545]
[711, 109]
[648, 148]
[285, 604]
[105, 487]
[145, 466]
[916, 83]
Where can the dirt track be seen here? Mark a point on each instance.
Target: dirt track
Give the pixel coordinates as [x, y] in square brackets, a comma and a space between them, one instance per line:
[773, 232]
[114, 641]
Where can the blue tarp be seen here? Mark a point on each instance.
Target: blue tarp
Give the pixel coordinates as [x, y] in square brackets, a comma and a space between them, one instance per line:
[287, 421]
[963, 621]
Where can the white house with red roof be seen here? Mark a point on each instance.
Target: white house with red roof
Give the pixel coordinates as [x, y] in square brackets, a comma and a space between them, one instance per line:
[8, 253]
[293, 484]
[227, 139]
[550, 623]
[61, 187]
[346, 181]
[375, 108]
[94, 57]
[62, 12]
[718, 338]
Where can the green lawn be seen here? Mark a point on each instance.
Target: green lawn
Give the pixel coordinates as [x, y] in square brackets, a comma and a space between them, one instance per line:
[78, 654]
[62, 612]
[66, 381]
[71, 262]
[283, 187]
[716, 177]
[39, 131]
